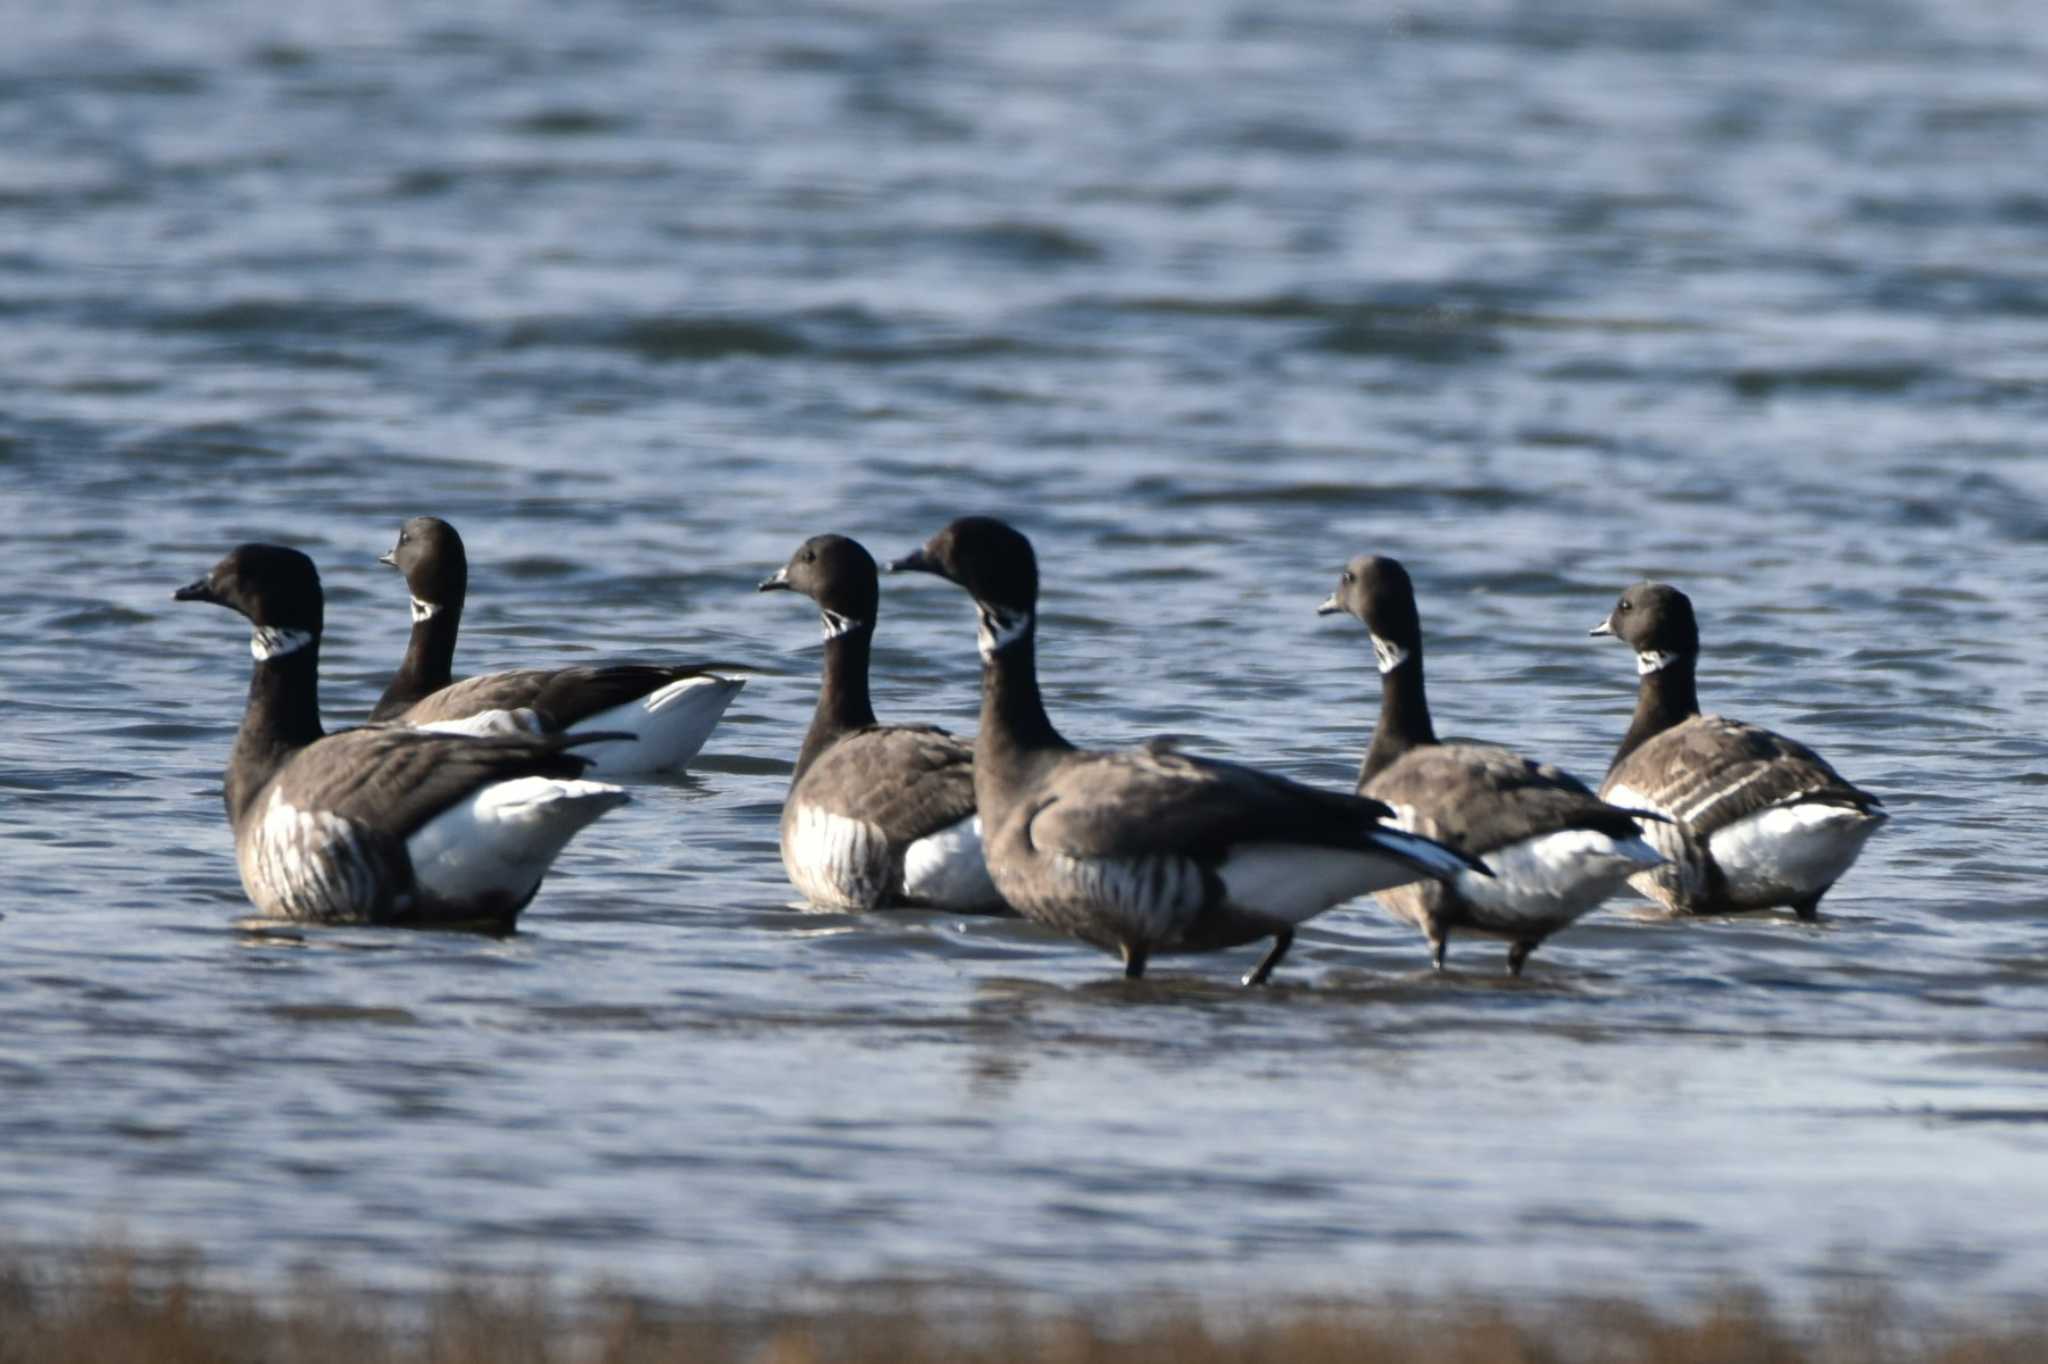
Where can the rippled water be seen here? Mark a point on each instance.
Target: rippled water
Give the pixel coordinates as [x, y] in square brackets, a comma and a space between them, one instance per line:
[1206, 297]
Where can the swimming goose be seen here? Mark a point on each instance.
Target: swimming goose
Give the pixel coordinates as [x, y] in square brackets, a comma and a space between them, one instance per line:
[1759, 820]
[1146, 850]
[663, 713]
[380, 825]
[1555, 849]
[877, 815]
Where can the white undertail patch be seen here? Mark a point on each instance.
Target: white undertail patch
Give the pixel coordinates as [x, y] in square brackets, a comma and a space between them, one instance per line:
[1780, 854]
[1291, 882]
[947, 869]
[493, 848]
[669, 725]
[1547, 881]
[1789, 852]
[1000, 629]
[268, 642]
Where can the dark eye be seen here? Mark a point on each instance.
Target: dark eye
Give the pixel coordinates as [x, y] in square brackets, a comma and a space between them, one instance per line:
[810, 555]
[1626, 605]
[1347, 576]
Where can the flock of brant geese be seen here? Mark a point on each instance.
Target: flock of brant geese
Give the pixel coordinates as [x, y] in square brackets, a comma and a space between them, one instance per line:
[451, 804]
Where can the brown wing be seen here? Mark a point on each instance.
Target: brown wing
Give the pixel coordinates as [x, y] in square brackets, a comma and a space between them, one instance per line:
[907, 780]
[1477, 797]
[558, 697]
[394, 780]
[1152, 800]
[1710, 772]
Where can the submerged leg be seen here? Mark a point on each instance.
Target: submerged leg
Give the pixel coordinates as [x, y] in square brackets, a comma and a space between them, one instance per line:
[1808, 909]
[1282, 940]
[1134, 962]
[1518, 952]
[1439, 943]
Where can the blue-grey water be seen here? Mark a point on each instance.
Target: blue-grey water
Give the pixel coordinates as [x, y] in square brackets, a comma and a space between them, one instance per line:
[1207, 296]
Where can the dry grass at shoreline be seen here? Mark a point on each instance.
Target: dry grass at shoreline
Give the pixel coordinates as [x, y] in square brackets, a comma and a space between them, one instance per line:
[115, 1307]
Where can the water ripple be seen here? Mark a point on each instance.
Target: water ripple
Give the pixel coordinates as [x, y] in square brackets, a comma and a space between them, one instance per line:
[1207, 299]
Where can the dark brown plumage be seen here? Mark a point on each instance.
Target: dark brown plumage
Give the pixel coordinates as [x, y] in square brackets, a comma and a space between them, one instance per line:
[1146, 850]
[1758, 820]
[381, 824]
[877, 815]
[909, 781]
[1555, 849]
[660, 713]
[558, 697]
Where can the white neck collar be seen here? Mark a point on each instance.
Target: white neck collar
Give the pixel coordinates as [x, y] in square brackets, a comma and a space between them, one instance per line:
[267, 643]
[1000, 629]
[1387, 655]
[424, 610]
[836, 624]
[1650, 661]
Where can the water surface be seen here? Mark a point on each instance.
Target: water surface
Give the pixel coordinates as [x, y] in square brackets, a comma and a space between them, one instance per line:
[1206, 297]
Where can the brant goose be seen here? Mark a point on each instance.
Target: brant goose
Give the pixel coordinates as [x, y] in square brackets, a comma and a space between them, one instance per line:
[1555, 849]
[379, 825]
[661, 714]
[877, 815]
[1147, 850]
[1758, 820]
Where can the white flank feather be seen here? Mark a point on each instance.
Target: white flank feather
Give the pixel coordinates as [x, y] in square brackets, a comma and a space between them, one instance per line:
[1682, 876]
[496, 845]
[1132, 899]
[947, 869]
[668, 726]
[308, 865]
[836, 862]
[487, 723]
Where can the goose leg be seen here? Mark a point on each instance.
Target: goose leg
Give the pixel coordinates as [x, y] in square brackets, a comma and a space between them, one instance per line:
[1439, 943]
[1134, 962]
[1518, 952]
[1808, 909]
[1282, 940]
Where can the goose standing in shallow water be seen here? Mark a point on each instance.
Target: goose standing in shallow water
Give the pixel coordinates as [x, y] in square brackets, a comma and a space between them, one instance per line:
[377, 825]
[661, 714]
[1555, 849]
[1146, 850]
[1758, 820]
[877, 815]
